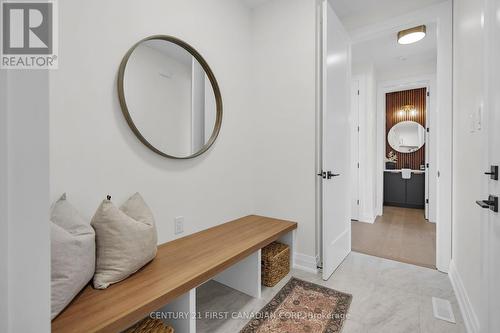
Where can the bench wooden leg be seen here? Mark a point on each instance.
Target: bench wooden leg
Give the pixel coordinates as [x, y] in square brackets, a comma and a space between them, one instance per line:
[181, 313]
[243, 276]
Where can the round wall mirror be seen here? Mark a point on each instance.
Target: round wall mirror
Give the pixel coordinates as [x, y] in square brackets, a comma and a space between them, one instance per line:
[406, 137]
[170, 97]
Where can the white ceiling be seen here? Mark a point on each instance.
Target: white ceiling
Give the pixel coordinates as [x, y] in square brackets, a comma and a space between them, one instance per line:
[254, 3]
[358, 13]
[385, 53]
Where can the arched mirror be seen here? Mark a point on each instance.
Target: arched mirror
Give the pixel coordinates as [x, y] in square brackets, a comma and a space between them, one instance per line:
[170, 97]
[406, 137]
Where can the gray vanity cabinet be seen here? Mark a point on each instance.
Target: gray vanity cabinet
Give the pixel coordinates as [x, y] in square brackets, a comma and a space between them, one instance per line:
[394, 189]
[401, 192]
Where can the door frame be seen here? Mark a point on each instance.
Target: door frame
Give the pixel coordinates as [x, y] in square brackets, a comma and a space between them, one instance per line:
[355, 147]
[442, 15]
[426, 81]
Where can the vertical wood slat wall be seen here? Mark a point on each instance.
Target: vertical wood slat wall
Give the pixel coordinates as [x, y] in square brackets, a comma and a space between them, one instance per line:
[394, 103]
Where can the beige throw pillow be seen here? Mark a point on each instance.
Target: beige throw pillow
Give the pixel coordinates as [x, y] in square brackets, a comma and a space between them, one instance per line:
[126, 240]
[72, 254]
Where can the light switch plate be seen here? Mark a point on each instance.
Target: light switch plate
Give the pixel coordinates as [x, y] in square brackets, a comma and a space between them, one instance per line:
[179, 225]
[472, 123]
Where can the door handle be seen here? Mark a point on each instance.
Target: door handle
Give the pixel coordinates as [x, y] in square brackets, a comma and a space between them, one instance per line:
[491, 203]
[328, 174]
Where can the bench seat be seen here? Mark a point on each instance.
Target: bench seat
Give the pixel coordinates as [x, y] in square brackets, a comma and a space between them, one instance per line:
[179, 266]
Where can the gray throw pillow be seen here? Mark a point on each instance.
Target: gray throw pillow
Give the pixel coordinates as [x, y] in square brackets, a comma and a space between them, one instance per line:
[126, 240]
[72, 254]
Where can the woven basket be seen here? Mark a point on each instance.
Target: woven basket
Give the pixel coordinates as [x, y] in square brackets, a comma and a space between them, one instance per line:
[275, 264]
[149, 325]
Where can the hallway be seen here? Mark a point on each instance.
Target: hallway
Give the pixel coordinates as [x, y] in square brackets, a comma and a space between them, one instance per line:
[401, 234]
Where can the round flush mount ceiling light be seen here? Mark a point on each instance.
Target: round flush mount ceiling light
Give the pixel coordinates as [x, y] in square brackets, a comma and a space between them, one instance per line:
[411, 35]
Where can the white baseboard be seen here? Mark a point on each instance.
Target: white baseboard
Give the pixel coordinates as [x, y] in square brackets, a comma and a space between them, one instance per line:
[470, 318]
[305, 263]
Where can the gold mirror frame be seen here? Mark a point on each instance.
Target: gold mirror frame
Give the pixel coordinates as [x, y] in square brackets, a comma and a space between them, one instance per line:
[208, 72]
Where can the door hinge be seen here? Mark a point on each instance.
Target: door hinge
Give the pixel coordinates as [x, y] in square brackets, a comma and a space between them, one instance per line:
[358, 202]
[358, 128]
[428, 94]
[358, 92]
[428, 129]
[426, 201]
[358, 165]
[427, 165]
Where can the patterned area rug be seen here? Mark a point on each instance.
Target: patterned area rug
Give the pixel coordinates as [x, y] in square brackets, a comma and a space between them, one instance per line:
[302, 306]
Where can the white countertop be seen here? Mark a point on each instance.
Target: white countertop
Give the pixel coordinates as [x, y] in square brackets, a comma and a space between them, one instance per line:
[417, 172]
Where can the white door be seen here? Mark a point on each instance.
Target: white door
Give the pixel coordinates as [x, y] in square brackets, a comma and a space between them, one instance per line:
[490, 220]
[336, 161]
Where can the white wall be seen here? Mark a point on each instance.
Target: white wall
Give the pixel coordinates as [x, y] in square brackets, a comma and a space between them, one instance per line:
[264, 159]
[467, 154]
[401, 70]
[28, 202]
[283, 130]
[367, 141]
[93, 152]
[3, 204]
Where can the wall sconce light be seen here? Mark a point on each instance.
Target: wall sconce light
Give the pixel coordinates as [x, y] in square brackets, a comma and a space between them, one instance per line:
[408, 110]
[412, 35]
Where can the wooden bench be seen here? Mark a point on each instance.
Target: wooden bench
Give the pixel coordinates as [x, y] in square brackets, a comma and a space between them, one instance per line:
[228, 253]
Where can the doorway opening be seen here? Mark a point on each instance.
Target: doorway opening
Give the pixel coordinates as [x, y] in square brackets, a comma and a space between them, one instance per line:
[380, 66]
[403, 231]
[396, 89]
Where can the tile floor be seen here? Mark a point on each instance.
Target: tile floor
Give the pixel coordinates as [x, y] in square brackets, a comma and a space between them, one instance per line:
[388, 297]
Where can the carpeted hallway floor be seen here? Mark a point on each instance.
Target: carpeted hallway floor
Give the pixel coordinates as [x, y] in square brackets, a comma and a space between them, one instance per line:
[401, 234]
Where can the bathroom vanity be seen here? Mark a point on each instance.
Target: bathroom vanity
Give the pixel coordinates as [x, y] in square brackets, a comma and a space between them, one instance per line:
[409, 193]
